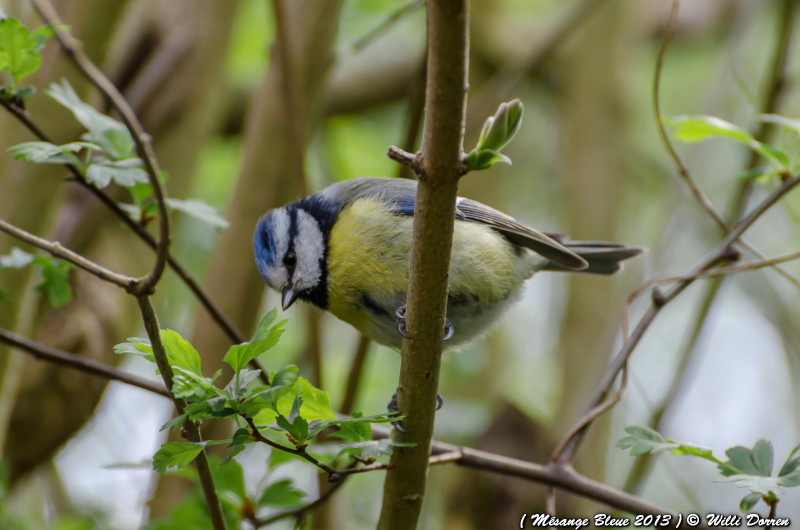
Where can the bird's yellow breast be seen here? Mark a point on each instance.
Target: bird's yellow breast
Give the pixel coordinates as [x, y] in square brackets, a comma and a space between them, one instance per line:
[370, 252]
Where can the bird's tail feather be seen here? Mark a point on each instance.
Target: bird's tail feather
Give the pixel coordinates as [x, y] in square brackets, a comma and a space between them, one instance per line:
[603, 258]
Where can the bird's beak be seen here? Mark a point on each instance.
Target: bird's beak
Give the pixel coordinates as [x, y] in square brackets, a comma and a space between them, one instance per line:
[289, 297]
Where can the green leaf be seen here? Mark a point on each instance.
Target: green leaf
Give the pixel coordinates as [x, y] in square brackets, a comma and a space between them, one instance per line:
[176, 454]
[238, 384]
[748, 501]
[282, 494]
[295, 424]
[124, 173]
[499, 129]
[175, 423]
[194, 387]
[316, 404]
[698, 128]
[47, 153]
[791, 464]
[756, 484]
[763, 457]
[19, 50]
[199, 210]
[642, 440]
[744, 460]
[239, 355]
[16, 259]
[111, 135]
[282, 383]
[55, 280]
[484, 159]
[136, 346]
[374, 449]
[180, 352]
[263, 328]
[353, 432]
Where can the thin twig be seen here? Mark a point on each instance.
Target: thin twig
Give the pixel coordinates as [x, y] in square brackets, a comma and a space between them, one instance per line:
[720, 254]
[143, 141]
[442, 452]
[57, 250]
[300, 451]
[393, 18]
[80, 363]
[190, 431]
[444, 458]
[775, 84]
[683, 170]
[228, 327]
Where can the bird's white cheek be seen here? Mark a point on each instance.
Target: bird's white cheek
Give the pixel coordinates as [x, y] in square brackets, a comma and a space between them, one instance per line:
[309, 246]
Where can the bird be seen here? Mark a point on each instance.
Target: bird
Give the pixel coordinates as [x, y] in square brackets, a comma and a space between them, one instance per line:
[347, 250]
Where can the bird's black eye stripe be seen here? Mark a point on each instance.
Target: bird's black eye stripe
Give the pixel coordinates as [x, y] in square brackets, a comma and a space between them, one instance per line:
[290, 260]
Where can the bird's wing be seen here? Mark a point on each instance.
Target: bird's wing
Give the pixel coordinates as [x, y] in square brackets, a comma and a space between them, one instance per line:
[402, 194]
[519, 234]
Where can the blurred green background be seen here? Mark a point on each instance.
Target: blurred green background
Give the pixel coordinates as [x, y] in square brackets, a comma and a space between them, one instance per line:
[588, 161]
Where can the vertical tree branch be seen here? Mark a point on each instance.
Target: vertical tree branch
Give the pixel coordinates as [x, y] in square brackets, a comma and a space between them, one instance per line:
[190, 429]
[440, 168]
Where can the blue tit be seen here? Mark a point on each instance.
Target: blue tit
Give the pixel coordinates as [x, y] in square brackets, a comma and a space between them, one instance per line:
[347, 250]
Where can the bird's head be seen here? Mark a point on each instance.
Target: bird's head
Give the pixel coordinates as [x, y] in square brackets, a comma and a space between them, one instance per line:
[290, 253]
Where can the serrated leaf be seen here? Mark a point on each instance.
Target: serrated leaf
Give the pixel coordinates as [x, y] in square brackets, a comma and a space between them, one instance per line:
[642, 440]
[180, 352]
[354, 432]
[47, 153]
[16, 259]
[791, 463]
[19, 50]
[111, 135]
[238, 384]
[124, 173]
[755, 483]
[790, 480]
[282, 494]
[55, 280]
[763, 457]
[282, 383]
[316, 404]
[176, 454]
[175, 423]
[199, 210]
[748, 501]
[478, 160]
[741, 458]
[194, 387]
[240, 355]
[136, 346]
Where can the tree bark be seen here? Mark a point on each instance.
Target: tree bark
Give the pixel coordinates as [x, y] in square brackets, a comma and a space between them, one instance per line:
[434, 218]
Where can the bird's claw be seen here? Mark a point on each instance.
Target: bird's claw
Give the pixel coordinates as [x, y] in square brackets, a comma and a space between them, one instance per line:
[449, 329]
[393, 410]
[401, 323]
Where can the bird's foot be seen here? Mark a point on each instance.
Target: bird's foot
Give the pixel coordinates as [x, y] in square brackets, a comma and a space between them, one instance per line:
[401, 325]
[393, 410]
[449, 329]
